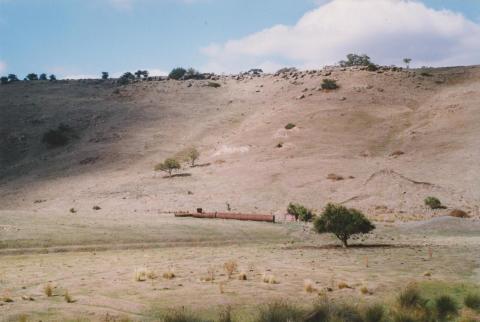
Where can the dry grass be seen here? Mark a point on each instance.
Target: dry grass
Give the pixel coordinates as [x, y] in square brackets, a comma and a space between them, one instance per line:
[230, 267]
[7, 299]
[68, 298]
[140, 274]
[365, 291]
[242, 276]
[335, 177]
[458, 213]
[309, 286]
[221, 287]
[170, 274]
[48, 290]
[269, 279]
[343, 285]
[210, 276]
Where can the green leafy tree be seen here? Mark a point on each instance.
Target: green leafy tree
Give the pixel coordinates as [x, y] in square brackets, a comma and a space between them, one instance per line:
[43, 77]
[32, 77]
[105, 75]
[342, 222]
[4, 80]
[52, 77]
[300, 212]
[177, 73]
[407, 62]
[12, 78]
[168, 166]
[355, 60]
[433, 203]
[126, 78]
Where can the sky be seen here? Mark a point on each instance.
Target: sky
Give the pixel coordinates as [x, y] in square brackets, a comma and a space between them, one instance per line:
[82, 38]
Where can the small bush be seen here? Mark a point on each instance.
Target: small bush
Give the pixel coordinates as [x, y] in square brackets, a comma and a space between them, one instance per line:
[289, 126]
[458, 213]
[168, 166]
[58, 137]
[329, 84]
[410, 298]
[279, 312]
[372, 67]
[177, 73]
[180, 316]
[68, 298]
[170, 274]
[433, 203]
[445, 307]
[335, 177]
[345, 313]
[374, 313]
[242, 276]
[48, 290]
[309, 286]
[140, 274]
[472, 301]
[269, 279]
[300, 212]
[230, 267]
[342, 222]
[214, 85]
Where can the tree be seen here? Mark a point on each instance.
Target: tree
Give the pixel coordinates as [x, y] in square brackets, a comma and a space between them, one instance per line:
[145, 73]
[407, 62]
[52, 78]
[355, 60]
[126, 78]
[342, 222]
[139, 73]
[168, 166]
[43, 77]
[177, 73]
[433, 203]
[193, 155]
[105, 75]
[300, 212]
[4, 80]
[12, 78]
[32, 77]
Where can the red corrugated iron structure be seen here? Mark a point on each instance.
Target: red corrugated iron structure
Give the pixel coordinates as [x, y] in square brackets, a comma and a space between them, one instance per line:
[227, 215]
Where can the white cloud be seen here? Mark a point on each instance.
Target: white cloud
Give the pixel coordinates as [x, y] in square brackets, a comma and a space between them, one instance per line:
[387, 30]
[3, 66]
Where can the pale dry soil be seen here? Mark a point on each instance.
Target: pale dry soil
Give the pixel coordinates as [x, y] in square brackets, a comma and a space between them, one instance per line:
[102, 282]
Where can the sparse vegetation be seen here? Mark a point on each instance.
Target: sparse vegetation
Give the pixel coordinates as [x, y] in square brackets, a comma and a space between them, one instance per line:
[300, 212]
[472, 301]
[230, 267]
[445, 307]
[269, 279]
[342, 222]
[170, 274]
[279, 311]
[309, 286]
[177, 73]
[329, 84]
[193, 155]
[433, 203]
[289, 126]
[375, 313]
[68, 298]
[58, 137]
[355, 60]
[168, 166]
[48, 290]
[410, 298]
[214, 84]
[242, 276]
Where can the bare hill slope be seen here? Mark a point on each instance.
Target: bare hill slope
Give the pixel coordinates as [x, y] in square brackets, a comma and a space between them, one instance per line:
[395, 137]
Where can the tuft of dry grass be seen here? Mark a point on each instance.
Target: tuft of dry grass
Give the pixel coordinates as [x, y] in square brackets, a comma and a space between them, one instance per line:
[7, 299]
[230, 267]
[221, 287]
[68, 298]
[48, 290]
[242, 276]
[269, 279]
[335, 177]
[210, 276]
[365, 291]
[343, 285]
[170, 274]
[140, 274]
[309, 286]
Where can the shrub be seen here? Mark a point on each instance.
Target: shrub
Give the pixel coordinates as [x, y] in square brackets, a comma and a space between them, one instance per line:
[410, 298]
[300, 212]
[177, 73]
[309, 286]
[289, 126]
[192, 73]
[52, 78]
[180, 316]
[345, 313]
[58, 137]
[213, 84]
[43, 77]
[286, 70]
[170, 274]
[329, 84]
[68, 298]
[126, 78]
[242, 276]
[374, 313]
[105, 75]
[193, 155]
[32, 77]
[12, 78]
[4, 80]
[279, 312]
[458, 213]
[355, 60]
[168, 166]
[433, 203]
[342, 222]
[230, 267]
[472, 301]
[372, 67]
[445, 307]
[48, 290]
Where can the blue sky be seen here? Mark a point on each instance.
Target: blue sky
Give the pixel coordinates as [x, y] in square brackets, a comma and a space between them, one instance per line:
[72, 38]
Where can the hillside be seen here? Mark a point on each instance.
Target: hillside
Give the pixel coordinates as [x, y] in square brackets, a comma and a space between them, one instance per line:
[394, 136]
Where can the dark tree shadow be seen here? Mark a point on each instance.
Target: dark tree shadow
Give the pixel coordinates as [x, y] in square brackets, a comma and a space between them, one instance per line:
[200, 165]
[177, 175]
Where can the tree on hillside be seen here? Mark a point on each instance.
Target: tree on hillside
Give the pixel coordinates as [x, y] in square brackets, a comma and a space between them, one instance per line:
[126, 78]
[407, 62]
[4, 80]
[342, 222]
[12, 78]
[300, 212]
[52, 77]
[168, 166]
[105, 75]
[32, 77]
[177, 73]
[193, 155]
[355, 60]
[43, 77]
